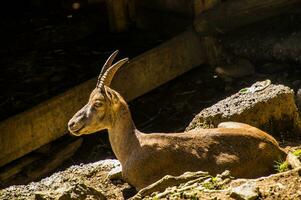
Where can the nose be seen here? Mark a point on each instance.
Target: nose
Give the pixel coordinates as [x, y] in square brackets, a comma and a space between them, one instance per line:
[74, 126]
[71, 124]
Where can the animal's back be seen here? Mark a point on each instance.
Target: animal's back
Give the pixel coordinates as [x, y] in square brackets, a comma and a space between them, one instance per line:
[246, 153]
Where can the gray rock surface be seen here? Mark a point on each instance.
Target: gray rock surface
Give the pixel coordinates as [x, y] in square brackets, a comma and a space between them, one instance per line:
[247, 191]
[272, 109]
[293, 160]
[285, 185]
[115, 173]
[85, 181]
[78, 191]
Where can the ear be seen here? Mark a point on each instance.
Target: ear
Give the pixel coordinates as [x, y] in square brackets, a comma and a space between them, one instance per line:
[112, 96]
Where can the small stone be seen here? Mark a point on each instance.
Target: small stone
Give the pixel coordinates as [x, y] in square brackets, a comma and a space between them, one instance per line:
[115, 173]
[247, 191]
[225, 174]
[293, 161]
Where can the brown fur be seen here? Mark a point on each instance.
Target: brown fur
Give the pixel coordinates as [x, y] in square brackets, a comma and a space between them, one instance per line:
[244, 150]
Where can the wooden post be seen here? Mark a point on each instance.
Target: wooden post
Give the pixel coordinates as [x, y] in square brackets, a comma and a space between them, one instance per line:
[118, 15]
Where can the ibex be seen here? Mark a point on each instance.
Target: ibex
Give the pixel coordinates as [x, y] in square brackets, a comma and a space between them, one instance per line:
[145, 158]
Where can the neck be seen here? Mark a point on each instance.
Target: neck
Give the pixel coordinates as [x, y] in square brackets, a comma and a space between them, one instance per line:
[123, 134]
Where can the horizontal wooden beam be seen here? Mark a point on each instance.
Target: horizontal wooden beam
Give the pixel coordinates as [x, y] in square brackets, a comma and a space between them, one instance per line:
[40, 125]
[46, 122]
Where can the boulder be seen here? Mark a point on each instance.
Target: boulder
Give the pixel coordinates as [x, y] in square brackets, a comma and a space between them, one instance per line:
[264, 105]
[84, 181]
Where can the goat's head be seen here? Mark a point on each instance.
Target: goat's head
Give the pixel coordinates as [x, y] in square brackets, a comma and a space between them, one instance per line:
[97, 114]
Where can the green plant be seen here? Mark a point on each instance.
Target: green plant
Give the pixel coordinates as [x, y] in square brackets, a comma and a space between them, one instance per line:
[155, 198]
[244, 90]
[211, 184]
[297, 152]
[281, 166]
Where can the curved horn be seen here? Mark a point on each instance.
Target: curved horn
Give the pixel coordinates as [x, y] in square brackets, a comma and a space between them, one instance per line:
[107, 77]
[107, 64]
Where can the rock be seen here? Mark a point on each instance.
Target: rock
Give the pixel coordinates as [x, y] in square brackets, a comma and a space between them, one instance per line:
[266, 106]
[79, 191]
[165, 186]
[247, 191]
[115, 173]
[60, 155]
[225, 174]
[293, 160]
[283, 185]
[85, 181]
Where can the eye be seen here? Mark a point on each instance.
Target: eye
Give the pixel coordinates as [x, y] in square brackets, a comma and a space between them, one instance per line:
[98, 104]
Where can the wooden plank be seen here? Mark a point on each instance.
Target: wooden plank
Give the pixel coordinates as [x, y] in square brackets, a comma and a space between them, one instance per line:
[42, 124]
[46, 122]
[236, 13]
